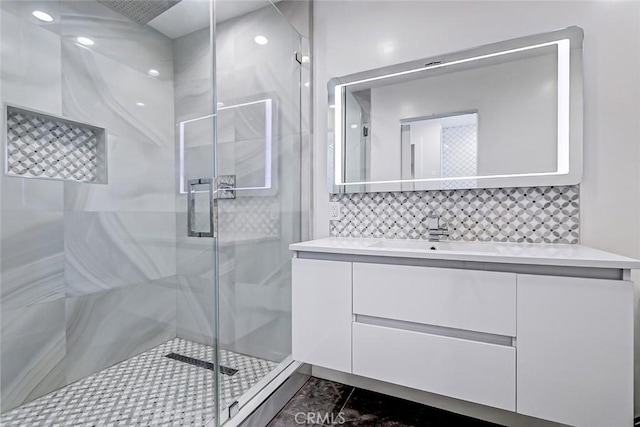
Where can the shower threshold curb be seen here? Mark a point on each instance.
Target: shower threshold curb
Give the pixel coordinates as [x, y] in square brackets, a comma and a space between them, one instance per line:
[277, 393]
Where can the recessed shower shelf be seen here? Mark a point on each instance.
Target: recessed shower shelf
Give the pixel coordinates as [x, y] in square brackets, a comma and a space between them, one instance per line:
[40, 145]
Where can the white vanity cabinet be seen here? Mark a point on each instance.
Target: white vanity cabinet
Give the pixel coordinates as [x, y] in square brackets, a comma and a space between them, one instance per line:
[553, 342]
[321, 317]
[575, 350]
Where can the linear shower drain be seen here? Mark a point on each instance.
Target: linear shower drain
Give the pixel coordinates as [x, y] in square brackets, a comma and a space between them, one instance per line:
[201, 363]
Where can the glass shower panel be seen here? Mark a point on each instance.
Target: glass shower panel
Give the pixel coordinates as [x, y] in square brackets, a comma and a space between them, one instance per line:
[258, 148]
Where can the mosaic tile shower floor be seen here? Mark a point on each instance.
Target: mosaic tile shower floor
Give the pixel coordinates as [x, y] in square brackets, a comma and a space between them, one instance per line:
[146, 390]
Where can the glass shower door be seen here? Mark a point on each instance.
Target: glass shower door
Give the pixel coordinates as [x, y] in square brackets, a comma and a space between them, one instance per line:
[196, 308]
[258, 156]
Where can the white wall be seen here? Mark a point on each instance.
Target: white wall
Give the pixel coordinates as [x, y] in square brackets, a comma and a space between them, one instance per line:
[352, 36]
[426, 136]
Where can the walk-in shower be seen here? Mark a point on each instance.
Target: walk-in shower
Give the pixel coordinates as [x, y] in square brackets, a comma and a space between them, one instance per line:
[152, 184]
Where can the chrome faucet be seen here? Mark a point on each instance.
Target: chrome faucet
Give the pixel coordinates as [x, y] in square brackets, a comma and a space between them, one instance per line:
[436, 227]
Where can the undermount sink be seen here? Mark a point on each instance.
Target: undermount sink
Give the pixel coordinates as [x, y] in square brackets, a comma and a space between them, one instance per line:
[421, 245]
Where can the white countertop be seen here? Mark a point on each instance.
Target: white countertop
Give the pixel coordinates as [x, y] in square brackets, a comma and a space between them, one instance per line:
[509, 253]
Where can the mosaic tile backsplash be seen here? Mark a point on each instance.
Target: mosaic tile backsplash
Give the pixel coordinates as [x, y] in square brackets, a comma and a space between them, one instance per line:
[525, 215]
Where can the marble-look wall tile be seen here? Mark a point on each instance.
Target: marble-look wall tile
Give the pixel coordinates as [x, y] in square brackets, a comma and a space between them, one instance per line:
[261, 333]
[255, 300]
[198, 162]
[250, 122]
[193, 75]
[140, 180]
[117, 37]
[226, 125]
[251, 71]
[226, 290]
[195, 310]
[278, 82]
[298, 13]
[195, 151]
[101, 91]
[106, 250]
[25, 81]
[31, 258]
[27, 44]
[200, 132]
[22, 9]
[241, 31]
[263, 263]
[253, 166]
[196, 276]
[261, 300]
[193, 99]
[194, 255]
[33, 352]
[30, 194]
[108, 327]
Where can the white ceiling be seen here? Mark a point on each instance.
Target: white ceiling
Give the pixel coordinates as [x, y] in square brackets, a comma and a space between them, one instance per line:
[192, 15]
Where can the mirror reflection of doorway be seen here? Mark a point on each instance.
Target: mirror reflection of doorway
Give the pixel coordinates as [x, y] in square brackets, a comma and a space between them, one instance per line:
[441, 147]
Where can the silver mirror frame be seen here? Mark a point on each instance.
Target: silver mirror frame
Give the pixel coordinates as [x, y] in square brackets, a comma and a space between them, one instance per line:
[569, 174]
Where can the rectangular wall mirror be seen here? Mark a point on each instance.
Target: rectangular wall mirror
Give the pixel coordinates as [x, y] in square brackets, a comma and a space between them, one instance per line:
[245, 146]
[507, 114]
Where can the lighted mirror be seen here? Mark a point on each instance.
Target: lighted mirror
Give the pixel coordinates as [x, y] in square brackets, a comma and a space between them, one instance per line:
[245, 146]
[507, 114]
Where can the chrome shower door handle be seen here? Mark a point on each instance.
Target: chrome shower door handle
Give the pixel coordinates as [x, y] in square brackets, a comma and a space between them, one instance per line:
[192, 190]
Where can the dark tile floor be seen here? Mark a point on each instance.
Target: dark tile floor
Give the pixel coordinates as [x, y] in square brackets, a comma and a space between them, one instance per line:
[327, 403]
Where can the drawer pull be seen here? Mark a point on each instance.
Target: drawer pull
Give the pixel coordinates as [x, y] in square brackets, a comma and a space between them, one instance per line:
[437, 330]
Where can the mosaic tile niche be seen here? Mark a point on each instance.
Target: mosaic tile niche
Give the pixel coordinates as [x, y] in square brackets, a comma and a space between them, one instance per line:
[43, 146]
[524, 215]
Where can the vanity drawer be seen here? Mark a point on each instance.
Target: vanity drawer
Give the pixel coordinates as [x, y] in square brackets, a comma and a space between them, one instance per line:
[483, 301]
[469, 370]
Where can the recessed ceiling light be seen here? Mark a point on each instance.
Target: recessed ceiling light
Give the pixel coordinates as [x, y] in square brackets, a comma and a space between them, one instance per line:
[85, 41]
[332, 106]
[305, 58]
[140, 104]
[262, 40]
[153, 73]
[354, 126]
[43, 16]
[307, 84]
